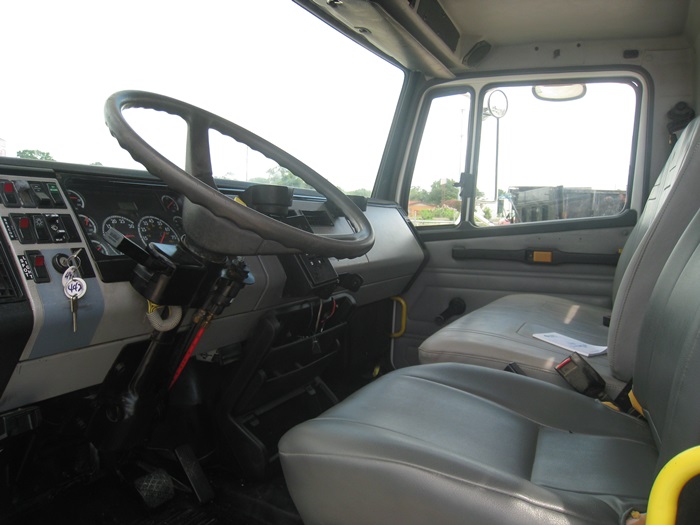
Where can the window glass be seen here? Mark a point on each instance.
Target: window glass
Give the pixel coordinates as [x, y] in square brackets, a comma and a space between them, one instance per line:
[554, 152]
[268, 66]
[434, 199]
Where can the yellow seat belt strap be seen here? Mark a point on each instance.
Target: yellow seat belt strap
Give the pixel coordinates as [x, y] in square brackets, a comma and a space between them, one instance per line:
[635, 404]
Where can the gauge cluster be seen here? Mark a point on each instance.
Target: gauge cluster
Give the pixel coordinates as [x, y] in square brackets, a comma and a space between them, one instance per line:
[142, 212]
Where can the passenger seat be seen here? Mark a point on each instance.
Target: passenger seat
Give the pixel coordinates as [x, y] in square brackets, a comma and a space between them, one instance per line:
[455, 444]
[502, 332]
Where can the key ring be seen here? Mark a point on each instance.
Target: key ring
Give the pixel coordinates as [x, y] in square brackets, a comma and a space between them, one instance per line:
[74, 260]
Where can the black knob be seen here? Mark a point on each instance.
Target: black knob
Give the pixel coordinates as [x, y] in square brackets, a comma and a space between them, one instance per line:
[456, 306]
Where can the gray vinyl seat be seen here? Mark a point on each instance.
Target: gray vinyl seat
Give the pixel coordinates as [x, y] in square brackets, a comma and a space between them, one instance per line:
[501, 332]
[451, 443]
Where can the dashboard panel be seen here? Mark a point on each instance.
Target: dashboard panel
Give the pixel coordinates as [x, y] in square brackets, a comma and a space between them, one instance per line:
[44, 357]
[143, 212]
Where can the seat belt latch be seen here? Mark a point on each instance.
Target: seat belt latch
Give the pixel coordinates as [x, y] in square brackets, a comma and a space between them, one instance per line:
[582, 377]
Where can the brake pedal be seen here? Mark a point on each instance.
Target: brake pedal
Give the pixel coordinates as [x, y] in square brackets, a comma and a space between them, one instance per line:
[155, 488]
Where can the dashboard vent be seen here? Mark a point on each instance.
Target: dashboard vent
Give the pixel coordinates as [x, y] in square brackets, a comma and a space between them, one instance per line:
[9, 287]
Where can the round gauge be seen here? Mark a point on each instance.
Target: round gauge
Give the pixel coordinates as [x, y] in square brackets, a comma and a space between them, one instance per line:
[153, 229]
[76, 199]
[88, 224]
[121, 224]
[170, 204]
[100, 248]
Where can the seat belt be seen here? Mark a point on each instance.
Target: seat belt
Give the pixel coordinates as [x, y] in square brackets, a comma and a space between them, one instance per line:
[583, 378]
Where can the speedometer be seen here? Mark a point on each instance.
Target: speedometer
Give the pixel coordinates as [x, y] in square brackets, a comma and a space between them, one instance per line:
[153, 229]
[121, 224]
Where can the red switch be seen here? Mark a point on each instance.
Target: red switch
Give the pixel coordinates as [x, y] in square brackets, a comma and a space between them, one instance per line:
[38, 263]
[22, 224]
[8, 195]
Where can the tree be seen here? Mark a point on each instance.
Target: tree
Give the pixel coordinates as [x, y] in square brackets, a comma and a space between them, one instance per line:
[418, 194]
[282, 177]
[362, 192]
[440, 193]
[35, 154]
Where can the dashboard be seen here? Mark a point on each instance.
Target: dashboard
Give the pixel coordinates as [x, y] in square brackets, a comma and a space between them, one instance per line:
[54, 213]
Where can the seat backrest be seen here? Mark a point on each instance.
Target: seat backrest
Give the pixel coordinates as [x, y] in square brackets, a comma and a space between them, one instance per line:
[667, 371]
[672, 203]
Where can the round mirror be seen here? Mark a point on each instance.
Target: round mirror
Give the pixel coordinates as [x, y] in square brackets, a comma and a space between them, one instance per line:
[498, 104]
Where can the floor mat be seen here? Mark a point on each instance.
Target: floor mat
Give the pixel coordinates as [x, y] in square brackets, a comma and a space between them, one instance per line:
[261, 503]
[112, 501]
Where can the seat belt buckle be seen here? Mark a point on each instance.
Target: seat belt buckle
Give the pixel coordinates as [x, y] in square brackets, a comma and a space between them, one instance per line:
[582, 377]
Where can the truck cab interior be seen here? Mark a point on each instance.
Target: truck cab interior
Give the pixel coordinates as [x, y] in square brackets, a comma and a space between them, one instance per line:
[349, 262]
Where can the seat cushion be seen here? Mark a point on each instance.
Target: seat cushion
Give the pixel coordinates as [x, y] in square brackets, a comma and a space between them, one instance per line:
[468, 445]
[501, 333]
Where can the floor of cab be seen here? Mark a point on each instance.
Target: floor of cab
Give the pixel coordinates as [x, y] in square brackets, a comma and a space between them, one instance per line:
[108, 496]
[113, 500]
[69, 482]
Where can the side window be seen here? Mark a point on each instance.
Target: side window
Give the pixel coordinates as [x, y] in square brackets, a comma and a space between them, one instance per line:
[553, 152]
[434, 199]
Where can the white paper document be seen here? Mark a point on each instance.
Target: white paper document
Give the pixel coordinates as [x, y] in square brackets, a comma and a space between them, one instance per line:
[570, 344]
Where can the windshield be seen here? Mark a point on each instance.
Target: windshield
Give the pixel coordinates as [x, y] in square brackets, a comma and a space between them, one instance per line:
[268, 66]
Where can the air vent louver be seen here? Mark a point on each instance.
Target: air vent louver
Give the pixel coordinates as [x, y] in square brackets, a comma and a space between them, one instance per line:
[9, 288]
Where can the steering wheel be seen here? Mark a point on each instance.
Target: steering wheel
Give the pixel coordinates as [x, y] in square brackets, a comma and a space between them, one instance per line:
[214, 223]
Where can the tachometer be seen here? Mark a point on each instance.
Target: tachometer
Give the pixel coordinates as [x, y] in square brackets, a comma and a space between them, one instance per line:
[153, 229]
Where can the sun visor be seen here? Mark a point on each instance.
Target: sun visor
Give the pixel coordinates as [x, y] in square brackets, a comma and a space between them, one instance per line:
[396, 29]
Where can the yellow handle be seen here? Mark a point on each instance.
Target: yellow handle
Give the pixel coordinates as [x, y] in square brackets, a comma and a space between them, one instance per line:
[404, 310]
[663, 500]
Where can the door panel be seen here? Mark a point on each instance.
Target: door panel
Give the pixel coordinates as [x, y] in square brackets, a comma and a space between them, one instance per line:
[480, 281]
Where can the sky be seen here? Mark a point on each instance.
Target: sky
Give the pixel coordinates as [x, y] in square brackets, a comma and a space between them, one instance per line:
[268, 66]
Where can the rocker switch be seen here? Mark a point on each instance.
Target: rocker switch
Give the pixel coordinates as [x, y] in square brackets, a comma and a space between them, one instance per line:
[40, 228]
[38, 264]
[9, 195]
[56, 227]
[42, 196]
[24, 229]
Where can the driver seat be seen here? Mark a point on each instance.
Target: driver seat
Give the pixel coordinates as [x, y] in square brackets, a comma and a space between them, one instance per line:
[452, 443]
